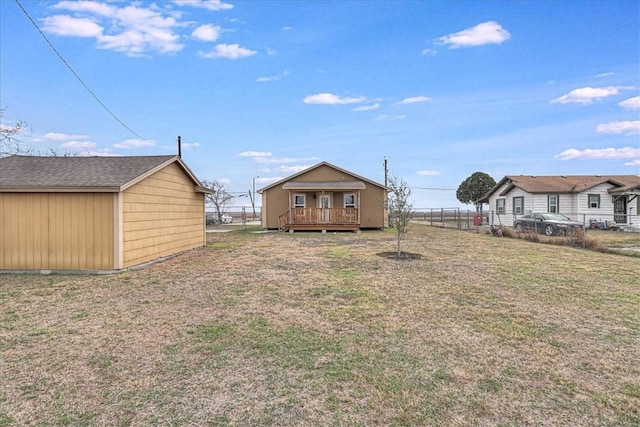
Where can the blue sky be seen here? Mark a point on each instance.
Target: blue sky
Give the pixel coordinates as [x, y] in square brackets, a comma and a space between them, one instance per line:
[264, 89]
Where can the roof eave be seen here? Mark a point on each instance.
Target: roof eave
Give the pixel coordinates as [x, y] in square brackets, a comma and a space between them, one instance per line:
[60, 189]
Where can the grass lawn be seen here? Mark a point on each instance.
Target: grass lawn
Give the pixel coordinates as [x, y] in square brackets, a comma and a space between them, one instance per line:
[317, 329]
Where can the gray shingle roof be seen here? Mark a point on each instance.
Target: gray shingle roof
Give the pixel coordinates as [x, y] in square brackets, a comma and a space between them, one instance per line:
[564, 184]
[75, 172]
[570, 183]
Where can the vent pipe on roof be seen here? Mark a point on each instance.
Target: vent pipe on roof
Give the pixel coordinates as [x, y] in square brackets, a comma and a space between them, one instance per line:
[179, 147]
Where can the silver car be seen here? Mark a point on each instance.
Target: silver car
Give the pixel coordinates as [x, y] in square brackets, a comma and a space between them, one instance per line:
[548, 223]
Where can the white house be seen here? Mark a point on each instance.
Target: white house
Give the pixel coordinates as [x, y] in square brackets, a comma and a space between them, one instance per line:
[580, 197]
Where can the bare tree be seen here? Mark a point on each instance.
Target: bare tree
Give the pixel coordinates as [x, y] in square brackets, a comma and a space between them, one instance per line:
[219, 198]
[11, 138]
[400, 209]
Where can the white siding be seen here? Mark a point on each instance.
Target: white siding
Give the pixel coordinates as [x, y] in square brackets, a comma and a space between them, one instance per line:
[606, 202]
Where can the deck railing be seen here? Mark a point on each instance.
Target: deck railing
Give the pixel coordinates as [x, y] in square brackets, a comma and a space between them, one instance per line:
[316, 216]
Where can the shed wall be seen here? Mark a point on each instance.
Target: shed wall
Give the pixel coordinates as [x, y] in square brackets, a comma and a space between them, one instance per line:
[56, 231]
[161, 215]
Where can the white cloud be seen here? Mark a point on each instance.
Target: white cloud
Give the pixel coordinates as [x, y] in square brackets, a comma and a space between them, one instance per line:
[92, 7]
[366, 107]
[275, 160]
[429, 52]
[331, 99]
[78, 145]
[617, 128]
[287, 28]
[57, 136]
[485, 33]
[132, 30]
[227, 51]
[207, 33]
[188, 145]
[601, 75]
[214, 5]
[389, 117]
[635, 162]
[599, 154]
[255, 154]
[269, 180]
[98, 152]
[130, 144]
[64, 25]
[586, 95]
[428, 173]
[292, 169]
[631, 103]
[280, 76]
[223, 181]
[413, 100]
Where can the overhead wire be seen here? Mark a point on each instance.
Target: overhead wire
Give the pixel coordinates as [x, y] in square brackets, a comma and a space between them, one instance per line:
[64, 61]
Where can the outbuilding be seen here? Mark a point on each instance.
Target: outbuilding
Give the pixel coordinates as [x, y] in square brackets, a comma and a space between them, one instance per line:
[97, 213]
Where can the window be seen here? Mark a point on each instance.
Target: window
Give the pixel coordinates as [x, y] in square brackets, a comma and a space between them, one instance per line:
[594, 201]
[554, 203]
[298, 200]
[500, 206]
[518, 205]
[349, 200]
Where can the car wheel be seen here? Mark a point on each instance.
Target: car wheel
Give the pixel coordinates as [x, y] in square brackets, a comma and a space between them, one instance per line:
[519, 228]
[548, 230]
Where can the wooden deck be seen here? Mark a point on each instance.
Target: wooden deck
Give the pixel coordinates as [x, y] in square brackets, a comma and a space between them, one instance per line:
[322, 219]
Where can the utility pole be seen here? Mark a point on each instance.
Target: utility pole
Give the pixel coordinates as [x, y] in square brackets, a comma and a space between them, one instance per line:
[253, 198]
[386, 172]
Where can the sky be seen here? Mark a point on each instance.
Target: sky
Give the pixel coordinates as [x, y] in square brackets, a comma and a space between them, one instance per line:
[260, 90]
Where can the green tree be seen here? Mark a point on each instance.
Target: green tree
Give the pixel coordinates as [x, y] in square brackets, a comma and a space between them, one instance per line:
[473, 188]
[400, 209]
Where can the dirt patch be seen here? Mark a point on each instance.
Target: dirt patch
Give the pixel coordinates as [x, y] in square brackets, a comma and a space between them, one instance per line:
[401, 257]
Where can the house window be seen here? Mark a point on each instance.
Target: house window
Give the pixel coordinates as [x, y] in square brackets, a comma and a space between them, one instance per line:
[500, 206]
[298, 201]
[350, 200]
[518, 205]
[554, 203]
[594, 201]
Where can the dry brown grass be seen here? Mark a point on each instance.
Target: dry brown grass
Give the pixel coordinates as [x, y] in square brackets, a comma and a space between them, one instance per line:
[316, 329]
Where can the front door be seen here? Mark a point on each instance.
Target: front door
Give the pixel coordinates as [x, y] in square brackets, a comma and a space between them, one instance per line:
[324, 203]
[620, 210]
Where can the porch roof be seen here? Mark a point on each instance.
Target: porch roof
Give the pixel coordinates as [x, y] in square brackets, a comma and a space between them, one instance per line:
[324, 185]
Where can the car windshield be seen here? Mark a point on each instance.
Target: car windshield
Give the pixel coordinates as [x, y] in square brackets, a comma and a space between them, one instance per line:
[555, 217]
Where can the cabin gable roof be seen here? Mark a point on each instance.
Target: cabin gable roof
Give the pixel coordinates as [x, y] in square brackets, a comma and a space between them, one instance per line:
[82, 174]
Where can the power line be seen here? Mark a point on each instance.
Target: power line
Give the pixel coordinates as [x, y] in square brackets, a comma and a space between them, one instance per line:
[76, 74]
[434, 188]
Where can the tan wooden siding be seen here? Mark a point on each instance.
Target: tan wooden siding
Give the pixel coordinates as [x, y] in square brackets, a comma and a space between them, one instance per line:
[275, 200]
[56, 231]
[161, 215]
